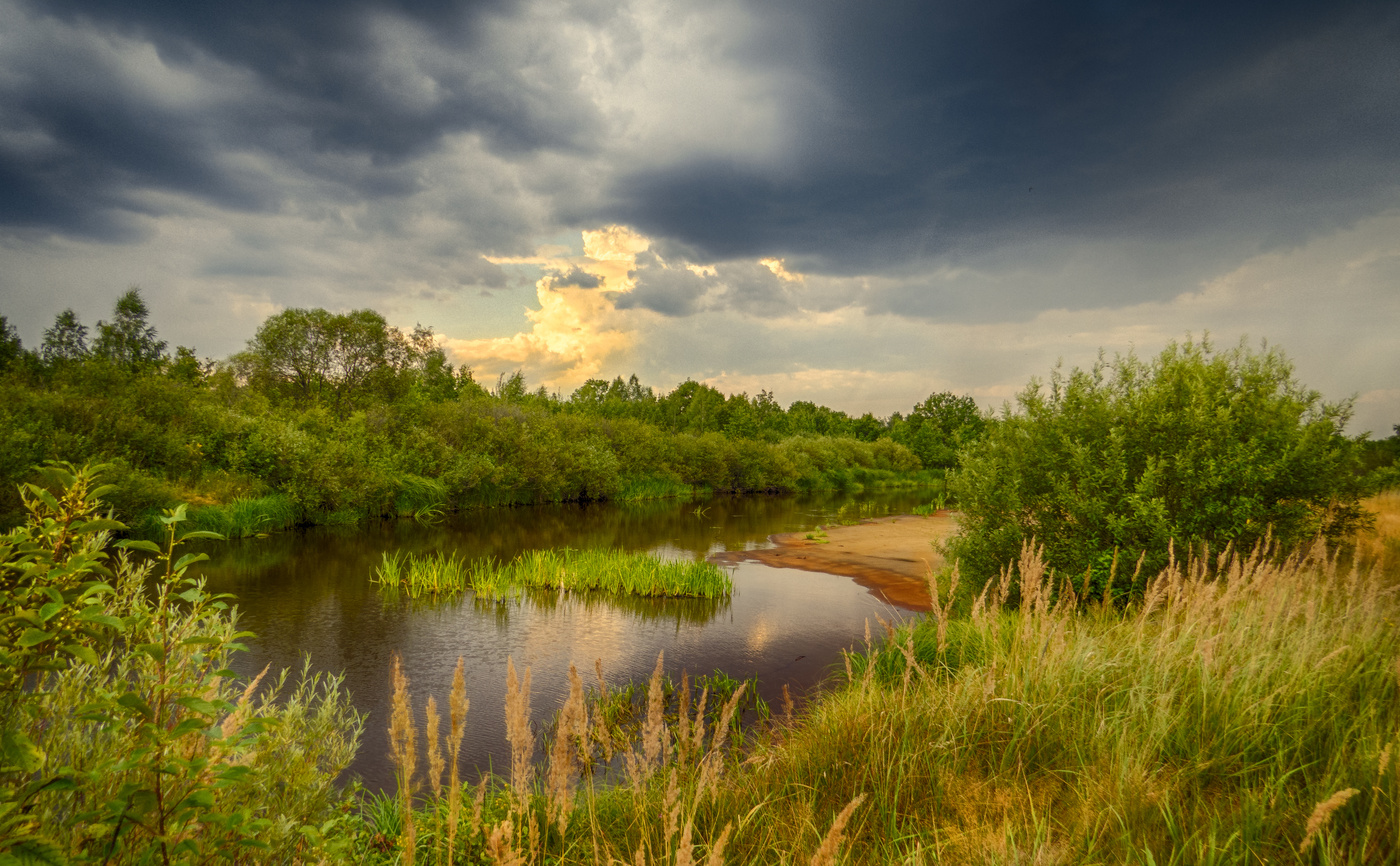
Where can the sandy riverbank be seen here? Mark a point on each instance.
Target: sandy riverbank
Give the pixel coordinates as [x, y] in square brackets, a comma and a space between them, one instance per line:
[892, 556]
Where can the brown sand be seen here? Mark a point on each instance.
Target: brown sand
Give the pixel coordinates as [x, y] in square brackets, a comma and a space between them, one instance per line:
[891, 556]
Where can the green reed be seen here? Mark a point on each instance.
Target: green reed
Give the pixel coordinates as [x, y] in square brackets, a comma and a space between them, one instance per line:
[611, 571]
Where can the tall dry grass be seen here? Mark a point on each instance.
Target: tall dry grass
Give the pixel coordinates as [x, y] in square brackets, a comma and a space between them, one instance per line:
[1245, 711]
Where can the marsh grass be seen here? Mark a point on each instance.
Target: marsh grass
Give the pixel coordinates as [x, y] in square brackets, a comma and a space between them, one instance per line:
[247, 517]
[639, 489]
[440, 575]
[1246, 710]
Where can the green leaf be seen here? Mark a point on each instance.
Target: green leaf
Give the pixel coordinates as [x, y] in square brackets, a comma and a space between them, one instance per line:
[17, 750]
[133, 701]
[190, 559]
[94, 615]
[82, 653]
[201, 640]
[98, 525]
[139, 544]
[47, 612]
[201, 533]
[33, 636]
[154, 650]
[191, 725]
[198, 705]
[34, 851]
[174, 515]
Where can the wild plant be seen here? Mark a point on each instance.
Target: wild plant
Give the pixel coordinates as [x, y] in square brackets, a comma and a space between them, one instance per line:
[161, 757]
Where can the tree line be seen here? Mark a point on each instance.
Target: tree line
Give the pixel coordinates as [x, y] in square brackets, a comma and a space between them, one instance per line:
[346, 416]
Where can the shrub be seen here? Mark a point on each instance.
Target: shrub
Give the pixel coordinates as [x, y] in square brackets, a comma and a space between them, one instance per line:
[1196, 448]
[159, 756]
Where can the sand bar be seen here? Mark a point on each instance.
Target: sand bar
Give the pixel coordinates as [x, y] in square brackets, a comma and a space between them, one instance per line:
[891, 556]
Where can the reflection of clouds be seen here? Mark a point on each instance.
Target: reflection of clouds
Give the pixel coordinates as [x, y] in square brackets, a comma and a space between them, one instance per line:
[760, 634]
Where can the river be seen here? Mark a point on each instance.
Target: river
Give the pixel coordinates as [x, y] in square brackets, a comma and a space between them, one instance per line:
[308, 594]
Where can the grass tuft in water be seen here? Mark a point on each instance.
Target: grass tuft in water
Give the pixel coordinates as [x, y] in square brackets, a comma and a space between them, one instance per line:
[438, 575]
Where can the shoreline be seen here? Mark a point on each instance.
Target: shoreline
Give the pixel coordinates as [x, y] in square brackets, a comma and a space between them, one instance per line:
[890, 556]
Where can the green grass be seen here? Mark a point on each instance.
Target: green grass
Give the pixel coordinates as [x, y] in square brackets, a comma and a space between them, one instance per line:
[438, 575]
[246, 517]
[1246, 711]
[637, 489]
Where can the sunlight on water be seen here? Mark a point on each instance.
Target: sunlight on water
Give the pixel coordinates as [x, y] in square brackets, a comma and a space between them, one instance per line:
[309, 594]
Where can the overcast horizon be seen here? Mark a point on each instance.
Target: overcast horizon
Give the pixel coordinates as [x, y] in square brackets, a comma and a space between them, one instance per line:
[854, 204]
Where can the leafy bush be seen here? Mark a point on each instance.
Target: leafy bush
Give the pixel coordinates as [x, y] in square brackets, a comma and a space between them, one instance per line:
[1196, 448]
[159, 756]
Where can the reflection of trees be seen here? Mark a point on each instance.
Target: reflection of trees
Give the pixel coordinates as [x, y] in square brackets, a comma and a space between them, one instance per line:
[682, 611]
[284, 582]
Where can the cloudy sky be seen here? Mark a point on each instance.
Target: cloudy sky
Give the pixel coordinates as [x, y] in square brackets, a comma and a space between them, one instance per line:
[850, 202]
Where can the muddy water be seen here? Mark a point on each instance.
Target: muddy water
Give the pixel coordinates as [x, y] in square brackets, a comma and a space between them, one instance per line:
[308, 595]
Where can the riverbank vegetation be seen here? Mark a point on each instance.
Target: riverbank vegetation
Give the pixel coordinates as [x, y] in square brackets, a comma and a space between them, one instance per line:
[1194, 452]
[336, 418]
[612, 571]
[123, 736]
[1246, 709]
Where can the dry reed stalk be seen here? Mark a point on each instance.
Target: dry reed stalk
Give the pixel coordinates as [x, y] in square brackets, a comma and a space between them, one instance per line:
[671, 809]
[522, 740]
[458, 705]
[1384, 763]
[685, 850]
[601, 735]
[1322, 815]
[478, 803]
[234, 721]
[572, 728]
[500, 846]
[435, 767]
[683, 722]
[697, 727]
[910, 663]
[403, 750]
[826, 853]
[787, 706]
[1107, 599]
[711, 764]
[436, 764]
[654, 740]
[716, 857]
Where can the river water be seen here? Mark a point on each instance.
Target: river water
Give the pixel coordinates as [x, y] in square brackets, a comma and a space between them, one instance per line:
[308, 594]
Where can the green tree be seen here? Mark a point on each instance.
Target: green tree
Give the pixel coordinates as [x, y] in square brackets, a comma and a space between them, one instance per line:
[1195, 448]
[11, 349]
[129, 340]
[66, 341]
[940, 427]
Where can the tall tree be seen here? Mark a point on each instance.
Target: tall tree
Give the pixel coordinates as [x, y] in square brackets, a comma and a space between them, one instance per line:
[11, 349]
[65, 341]
[129, 340]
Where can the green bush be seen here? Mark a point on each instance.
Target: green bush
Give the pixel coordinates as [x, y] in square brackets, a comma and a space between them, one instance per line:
[157, 756]
[1196, 448]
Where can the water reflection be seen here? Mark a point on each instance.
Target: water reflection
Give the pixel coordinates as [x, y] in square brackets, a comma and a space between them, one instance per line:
[309, 594]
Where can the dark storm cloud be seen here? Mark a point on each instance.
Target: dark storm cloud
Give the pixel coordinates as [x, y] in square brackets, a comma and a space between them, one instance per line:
[303, 84]
[957, 127]
[744, 286]
[905, 135]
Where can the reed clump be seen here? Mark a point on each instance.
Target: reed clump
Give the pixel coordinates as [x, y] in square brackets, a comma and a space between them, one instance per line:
[438, 575]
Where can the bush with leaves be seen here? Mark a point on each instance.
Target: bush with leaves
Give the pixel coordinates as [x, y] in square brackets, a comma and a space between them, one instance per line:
[124, 738]
[1195, 448]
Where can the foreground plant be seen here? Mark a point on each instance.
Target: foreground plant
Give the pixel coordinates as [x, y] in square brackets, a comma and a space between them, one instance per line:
[160, 757]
